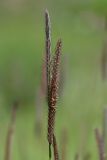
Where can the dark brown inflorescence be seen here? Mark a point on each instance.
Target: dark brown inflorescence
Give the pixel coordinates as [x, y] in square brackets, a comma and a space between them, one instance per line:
[53, 92]
[52, 72]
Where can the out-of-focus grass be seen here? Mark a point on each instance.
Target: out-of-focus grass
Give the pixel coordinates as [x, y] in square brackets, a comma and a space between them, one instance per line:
[84, 96]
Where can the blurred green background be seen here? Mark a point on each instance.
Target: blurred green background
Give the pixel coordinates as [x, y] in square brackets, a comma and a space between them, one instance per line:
[80, 25]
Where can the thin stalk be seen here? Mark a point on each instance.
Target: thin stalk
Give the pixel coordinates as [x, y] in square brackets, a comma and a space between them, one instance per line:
[55, 148]
[10, 134]
[100, 144]
[105, 128]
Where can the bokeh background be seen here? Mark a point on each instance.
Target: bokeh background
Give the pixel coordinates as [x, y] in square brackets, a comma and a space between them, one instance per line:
[81, 24]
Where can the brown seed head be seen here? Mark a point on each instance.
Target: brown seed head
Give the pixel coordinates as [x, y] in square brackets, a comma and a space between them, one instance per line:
[55, 75]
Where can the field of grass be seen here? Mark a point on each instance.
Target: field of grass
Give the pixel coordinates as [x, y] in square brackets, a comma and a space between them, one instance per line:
[83, 97]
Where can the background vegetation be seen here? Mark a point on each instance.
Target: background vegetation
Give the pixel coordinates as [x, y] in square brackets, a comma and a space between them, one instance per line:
[80, 25]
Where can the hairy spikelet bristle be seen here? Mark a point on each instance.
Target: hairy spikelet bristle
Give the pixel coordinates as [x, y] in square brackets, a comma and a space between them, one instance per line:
[55, 148]
[100, 143]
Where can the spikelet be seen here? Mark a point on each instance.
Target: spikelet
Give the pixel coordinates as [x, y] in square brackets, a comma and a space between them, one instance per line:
[48, 50]
[55, 75]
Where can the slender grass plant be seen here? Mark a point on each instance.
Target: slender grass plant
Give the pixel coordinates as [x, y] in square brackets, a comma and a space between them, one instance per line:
[52, 72]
